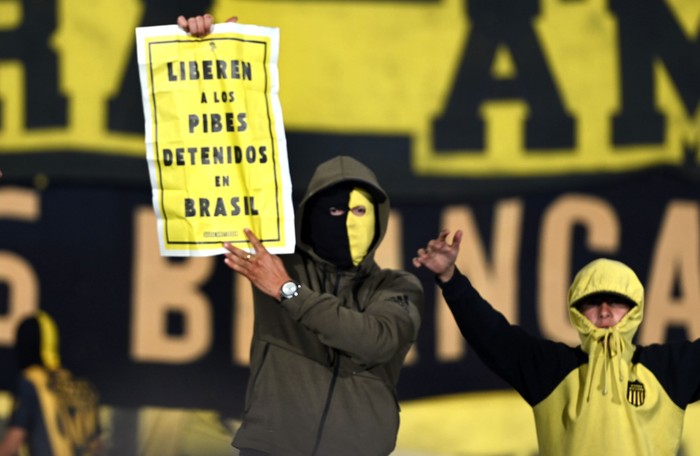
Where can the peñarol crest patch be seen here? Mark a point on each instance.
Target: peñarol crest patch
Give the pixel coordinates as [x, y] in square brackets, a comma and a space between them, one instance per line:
[636, 393]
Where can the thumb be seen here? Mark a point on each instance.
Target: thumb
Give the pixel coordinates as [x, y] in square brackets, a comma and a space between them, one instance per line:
[457, 239]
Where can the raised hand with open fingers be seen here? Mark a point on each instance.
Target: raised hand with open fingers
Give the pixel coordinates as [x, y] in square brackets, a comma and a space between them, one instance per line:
[264, 270]
[439, 256]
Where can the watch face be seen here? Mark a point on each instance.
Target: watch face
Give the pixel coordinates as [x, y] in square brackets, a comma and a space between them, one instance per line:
[289, 288]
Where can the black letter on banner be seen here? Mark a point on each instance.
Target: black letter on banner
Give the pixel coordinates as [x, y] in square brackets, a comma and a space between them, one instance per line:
[648, 31]
[126, 110]
[190, 210]
[29, 43]
[167, 157]
[508, 23]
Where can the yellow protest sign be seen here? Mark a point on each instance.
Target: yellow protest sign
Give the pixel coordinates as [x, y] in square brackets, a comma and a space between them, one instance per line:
[215, 141]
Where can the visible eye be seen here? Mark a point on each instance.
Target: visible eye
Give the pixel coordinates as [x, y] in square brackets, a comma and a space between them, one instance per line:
[336, 211]
[597, 301]
[590, 303]
[586, 306]
[359, 210]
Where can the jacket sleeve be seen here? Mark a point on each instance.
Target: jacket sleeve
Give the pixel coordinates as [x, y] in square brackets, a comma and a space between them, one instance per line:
[386, 324]
[530, 364]
[676, 365]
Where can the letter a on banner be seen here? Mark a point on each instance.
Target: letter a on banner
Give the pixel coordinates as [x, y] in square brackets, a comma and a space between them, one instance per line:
[215, 141]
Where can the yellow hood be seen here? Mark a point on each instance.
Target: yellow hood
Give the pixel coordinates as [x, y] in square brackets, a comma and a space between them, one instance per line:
[609, 349]
[606, 276]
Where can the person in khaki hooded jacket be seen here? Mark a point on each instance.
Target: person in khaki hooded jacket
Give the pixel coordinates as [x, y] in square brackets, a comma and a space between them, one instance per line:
[606, 396]
[331, 327]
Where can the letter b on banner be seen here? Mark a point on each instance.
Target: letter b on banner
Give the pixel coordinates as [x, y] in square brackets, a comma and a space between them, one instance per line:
[161, 288]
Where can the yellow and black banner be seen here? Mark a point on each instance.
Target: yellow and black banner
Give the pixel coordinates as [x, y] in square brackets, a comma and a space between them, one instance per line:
[510, 94]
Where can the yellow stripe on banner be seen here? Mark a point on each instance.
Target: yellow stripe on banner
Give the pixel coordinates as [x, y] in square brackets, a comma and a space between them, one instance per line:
[471, 423]
[392, 68]
[487, 423]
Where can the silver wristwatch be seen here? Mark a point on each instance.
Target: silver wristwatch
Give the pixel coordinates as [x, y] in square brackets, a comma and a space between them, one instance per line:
[290, 289]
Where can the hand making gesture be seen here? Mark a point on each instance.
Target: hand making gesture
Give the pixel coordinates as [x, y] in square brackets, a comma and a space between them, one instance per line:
[439, 256]
[264, 270]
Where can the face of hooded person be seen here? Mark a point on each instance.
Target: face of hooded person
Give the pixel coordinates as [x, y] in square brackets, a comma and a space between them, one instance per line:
[604, 310]
[342, 225]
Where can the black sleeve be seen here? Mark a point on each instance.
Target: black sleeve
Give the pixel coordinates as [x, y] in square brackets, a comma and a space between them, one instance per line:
[677, 367]
[531, 365]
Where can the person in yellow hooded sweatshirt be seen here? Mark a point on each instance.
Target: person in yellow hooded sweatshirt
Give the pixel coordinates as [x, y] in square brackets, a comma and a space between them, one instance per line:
[606, 396]
[54, 413]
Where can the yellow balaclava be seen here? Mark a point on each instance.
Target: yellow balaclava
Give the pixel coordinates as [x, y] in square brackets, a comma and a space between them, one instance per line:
[360, 228]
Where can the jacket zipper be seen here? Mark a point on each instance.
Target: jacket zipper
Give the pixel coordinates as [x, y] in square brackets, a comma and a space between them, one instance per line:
[331, 387]
[327, 406]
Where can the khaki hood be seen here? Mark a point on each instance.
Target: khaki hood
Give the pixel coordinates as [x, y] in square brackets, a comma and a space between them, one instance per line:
[342, 169]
